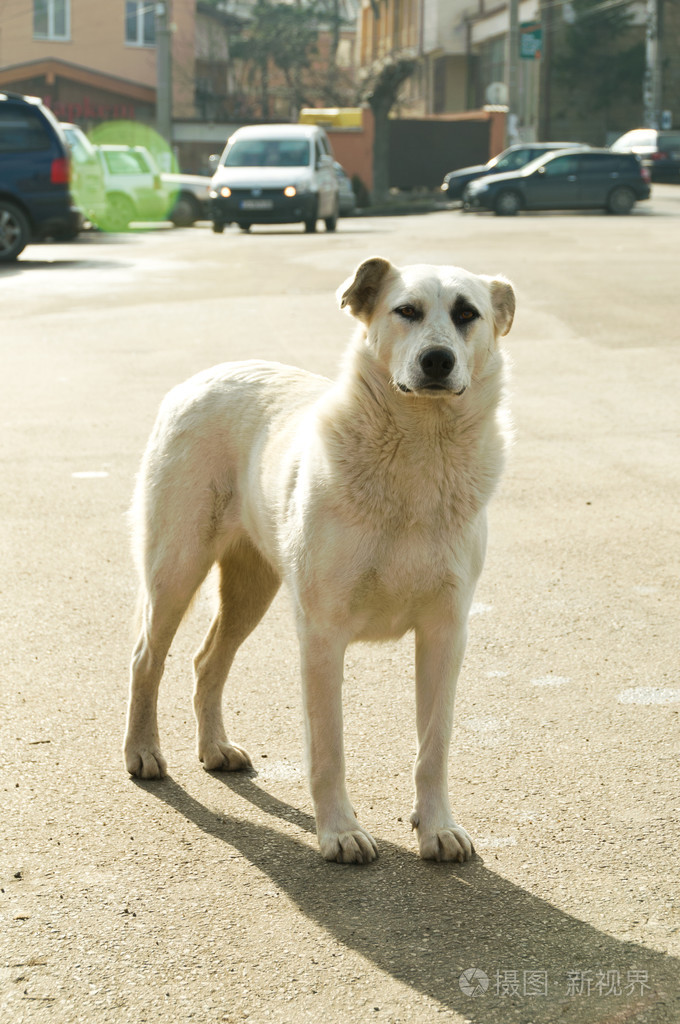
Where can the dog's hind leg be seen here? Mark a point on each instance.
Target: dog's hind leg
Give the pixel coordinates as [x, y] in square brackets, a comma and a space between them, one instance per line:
[248, 584]
[167, 596]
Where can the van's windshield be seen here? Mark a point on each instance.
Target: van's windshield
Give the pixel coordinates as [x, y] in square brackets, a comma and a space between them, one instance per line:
[268, 153]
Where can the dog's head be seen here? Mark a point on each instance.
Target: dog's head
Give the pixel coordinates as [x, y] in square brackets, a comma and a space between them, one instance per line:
[432, 329]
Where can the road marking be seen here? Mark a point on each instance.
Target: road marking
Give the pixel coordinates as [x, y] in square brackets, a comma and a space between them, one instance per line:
[649, 695]
[90, 474]
[488, 730]
[551, 681]
[495, 842]
[278, 771]
[480, 609]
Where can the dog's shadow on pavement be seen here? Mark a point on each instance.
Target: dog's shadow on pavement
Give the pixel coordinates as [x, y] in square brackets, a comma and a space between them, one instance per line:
[460, 934]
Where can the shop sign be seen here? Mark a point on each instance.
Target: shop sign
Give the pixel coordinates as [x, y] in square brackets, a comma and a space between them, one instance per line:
[530, 41]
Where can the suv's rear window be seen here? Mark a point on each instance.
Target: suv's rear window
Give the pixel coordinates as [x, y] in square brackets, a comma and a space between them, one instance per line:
[22, 130]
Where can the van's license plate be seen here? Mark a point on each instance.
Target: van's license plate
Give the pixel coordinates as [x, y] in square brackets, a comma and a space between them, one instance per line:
[256, 204]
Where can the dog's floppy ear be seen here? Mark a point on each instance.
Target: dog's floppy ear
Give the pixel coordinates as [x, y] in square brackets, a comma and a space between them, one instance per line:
[360, 292]
[503, 302]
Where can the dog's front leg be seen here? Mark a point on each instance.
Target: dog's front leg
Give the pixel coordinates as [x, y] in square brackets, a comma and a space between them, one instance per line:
[341, 838]
[439, 656]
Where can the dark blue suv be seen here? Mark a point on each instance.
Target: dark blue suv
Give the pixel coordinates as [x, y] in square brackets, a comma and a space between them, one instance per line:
[35, 200]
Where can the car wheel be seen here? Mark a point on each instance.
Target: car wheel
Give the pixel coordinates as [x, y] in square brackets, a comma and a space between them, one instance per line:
[185, 211]
[119, 213]
[621, 200]
[507, 204]
[15, 231]
[218, 227]
[245, 228]
[332, 221]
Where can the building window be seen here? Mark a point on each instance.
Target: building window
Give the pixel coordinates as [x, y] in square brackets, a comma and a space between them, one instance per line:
[492, 62]
[51, 19]
[140, 23]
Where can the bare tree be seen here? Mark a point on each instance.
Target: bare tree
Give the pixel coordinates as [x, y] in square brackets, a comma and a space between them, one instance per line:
[282, 36]
[380, 89]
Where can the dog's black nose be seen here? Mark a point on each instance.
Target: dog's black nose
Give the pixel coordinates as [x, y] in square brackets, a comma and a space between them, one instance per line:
[437, 363]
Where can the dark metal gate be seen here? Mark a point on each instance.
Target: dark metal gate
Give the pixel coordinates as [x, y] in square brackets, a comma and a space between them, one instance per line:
[421, 152]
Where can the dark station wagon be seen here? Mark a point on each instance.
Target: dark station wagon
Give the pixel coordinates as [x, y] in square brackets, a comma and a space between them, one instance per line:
[511, 159]
[577, 179]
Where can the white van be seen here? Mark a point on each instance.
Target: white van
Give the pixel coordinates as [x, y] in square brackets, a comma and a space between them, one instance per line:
[275, 174]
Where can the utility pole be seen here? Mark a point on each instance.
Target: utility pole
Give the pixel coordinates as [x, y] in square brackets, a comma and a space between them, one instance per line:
[163, 72]
[545, 72]
[512, 122]
[651, 87]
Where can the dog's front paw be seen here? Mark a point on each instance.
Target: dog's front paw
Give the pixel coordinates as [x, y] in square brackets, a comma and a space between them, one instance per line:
[145, 762]
[354, 846]
[447, 842]
[221, 756]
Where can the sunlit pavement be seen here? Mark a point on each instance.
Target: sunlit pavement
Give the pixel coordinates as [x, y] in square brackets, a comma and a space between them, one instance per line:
[204, 898]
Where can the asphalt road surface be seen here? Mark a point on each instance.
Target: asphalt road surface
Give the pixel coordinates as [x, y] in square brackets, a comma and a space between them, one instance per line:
[203, 897]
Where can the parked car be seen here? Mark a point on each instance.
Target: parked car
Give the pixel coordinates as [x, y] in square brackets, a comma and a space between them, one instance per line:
[35, 199]
[137, 190]
[574, 179]
[346, 197]
[189, 198]
[660, 150]
[134, 190]
[511, 159]
[87, 174]
[275, 174]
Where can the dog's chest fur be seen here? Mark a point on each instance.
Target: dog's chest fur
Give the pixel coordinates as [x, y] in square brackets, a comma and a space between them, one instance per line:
[414, 541]
[408, 501]
[422, 467]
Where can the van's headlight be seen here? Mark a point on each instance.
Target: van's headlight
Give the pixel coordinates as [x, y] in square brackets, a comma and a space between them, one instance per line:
[290, 191]
[225, 191]
[212, 193]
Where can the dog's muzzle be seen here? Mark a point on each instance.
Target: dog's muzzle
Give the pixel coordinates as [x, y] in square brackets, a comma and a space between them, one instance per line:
[436, 366]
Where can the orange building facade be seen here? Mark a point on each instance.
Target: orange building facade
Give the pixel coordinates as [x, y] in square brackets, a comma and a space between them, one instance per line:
[395, 28]
[95, 61]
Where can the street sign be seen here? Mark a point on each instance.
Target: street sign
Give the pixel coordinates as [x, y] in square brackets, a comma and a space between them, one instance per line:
[530, 40]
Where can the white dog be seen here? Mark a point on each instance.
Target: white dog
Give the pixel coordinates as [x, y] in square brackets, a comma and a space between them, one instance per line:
[366, 495]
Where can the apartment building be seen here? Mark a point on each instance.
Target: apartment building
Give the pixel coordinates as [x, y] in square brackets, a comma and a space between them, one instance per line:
[95, 60]
[461, 49]
[488, 55]
[433, 31]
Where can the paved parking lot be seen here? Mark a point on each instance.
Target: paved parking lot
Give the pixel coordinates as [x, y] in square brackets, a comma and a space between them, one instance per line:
[203, 898]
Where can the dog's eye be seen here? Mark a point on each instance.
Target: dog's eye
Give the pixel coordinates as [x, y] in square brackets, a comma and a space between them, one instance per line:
[408, 312]
[465, 315]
